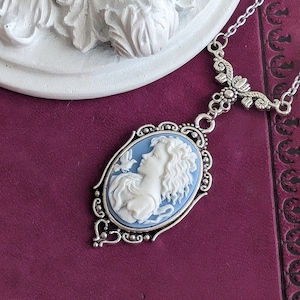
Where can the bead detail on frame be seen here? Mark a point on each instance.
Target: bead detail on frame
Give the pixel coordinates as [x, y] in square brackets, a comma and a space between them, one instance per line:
[151, 183]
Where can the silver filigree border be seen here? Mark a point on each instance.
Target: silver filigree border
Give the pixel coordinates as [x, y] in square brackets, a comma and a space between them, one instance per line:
[107, 230]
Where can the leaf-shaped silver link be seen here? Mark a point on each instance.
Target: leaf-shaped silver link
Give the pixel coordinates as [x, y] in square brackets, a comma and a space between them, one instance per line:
[238, 87]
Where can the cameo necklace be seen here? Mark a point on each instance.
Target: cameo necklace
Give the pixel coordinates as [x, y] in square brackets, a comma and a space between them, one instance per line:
[161, 172]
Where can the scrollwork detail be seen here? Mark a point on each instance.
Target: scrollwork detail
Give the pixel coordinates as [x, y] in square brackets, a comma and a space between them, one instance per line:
[176, 153]
[146, 129]
[168, 126]
[207, 178]
[104, 235]
[237, 87]
[194, 134]
[97, 208]
[132, 238]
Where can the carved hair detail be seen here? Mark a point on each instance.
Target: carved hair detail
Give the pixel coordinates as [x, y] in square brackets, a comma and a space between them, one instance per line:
[165, 173]
[178, 172]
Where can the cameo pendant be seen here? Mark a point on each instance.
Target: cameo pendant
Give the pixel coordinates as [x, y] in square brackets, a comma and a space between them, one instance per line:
[151, 183]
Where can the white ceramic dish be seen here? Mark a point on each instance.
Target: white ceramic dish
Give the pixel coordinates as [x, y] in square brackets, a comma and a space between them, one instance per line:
[51, 68]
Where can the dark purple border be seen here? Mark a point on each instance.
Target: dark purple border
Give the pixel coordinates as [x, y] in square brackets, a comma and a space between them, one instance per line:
[279, 42]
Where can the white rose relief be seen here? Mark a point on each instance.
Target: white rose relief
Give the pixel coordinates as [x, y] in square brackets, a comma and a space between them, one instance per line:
[134, 28]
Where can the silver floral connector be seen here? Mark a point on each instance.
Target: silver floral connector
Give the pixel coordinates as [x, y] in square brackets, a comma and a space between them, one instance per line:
[238, 87]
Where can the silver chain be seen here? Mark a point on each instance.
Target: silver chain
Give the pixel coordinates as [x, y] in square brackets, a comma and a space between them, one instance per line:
[288, 96]
[237, 87]
[241, 20]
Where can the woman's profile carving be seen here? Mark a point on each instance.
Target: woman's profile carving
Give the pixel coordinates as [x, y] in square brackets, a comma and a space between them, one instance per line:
[162, 180]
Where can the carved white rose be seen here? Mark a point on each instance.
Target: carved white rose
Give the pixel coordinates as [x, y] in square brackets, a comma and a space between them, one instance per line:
[134, 28]
[141, 29]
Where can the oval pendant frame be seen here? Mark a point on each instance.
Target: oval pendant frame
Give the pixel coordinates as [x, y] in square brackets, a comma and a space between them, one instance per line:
[110, 228]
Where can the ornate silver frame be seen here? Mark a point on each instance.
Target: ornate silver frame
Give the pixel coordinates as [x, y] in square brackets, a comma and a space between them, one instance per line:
[107, 229]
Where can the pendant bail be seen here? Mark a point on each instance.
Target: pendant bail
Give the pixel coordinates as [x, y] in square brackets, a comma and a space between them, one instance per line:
[208, 119]
[216, 41]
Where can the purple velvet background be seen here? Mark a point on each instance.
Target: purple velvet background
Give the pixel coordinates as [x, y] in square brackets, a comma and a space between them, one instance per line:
[53, 152]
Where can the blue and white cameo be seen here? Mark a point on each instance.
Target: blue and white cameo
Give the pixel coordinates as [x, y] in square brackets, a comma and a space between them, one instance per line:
[153, 180]
[152, 183]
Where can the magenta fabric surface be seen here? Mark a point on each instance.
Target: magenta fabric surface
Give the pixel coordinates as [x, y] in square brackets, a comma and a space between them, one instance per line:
[234, 244]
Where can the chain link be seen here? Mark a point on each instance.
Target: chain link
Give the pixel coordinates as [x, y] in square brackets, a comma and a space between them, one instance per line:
[241, 20]
[286, 99]
[294, 88]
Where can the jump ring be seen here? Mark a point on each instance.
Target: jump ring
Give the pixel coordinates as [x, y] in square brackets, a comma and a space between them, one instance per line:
[209, 120]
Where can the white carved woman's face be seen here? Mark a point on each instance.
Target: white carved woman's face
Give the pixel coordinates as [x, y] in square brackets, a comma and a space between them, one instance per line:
[153, 163]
